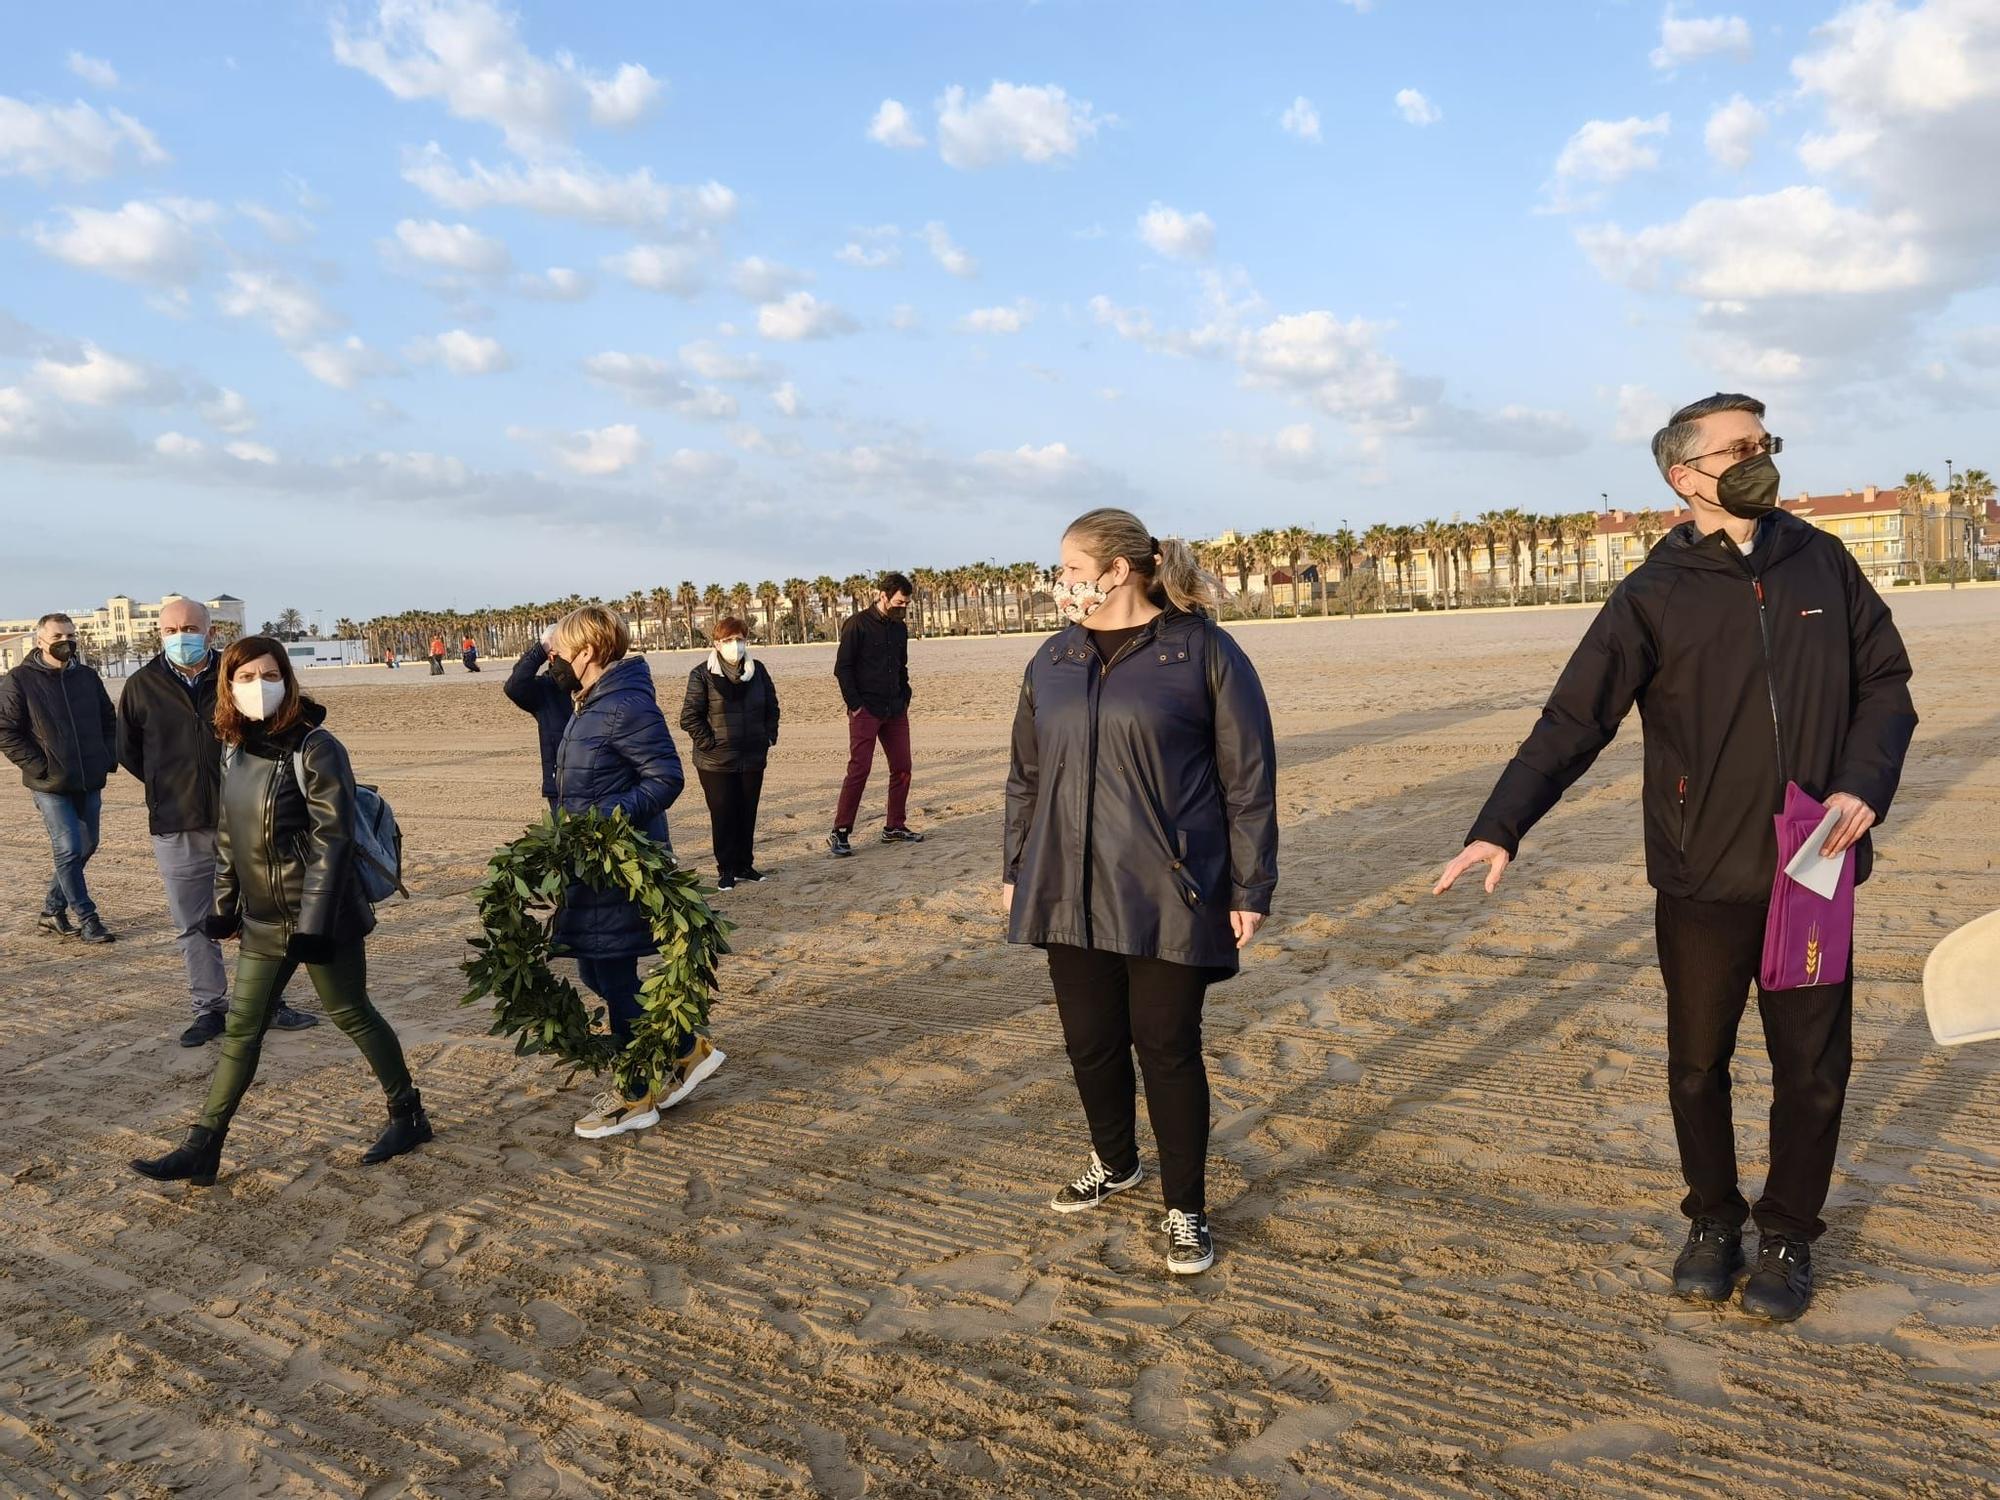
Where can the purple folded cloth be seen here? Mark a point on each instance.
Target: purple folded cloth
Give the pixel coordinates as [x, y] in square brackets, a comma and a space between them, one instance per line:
[1807, 939]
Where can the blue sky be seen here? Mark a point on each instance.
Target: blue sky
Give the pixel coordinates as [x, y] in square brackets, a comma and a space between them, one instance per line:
[401, 304]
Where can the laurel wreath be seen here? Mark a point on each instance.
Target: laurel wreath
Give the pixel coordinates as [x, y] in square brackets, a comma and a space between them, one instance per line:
[518, 903]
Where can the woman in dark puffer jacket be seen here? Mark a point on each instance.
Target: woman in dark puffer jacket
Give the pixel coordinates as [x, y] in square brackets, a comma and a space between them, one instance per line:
[617, 754]
[731, 714]
[287, 887]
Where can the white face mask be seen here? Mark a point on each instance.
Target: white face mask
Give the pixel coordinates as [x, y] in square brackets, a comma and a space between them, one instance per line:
[734, 650]
[258, 699]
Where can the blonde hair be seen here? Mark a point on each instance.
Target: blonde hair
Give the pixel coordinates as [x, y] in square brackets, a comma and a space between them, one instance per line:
[595, 629]
[1173, 574]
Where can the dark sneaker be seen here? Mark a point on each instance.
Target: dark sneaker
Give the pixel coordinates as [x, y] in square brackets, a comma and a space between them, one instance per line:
[753, 875]
[1781, 1286]
[1190, 1247]
[725, 882]
[284, 1018]
[1708, 1263]
[1093, 1187]
[92, 930]
[56, 924]
[206, 1028]
[901, 836]
[837, 845]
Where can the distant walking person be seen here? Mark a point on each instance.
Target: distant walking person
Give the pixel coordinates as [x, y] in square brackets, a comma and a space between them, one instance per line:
[58, 726]
[544, 686]
[166, 741]
[1758, 655]
[468, 651]
[731, 714]
[872, 667]
[287, 886]
[437, 656]
[1141, 848]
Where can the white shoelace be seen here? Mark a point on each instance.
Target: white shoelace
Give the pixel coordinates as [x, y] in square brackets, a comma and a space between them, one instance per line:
[1092, 1180]
[609, 1099]
[1180, 1224]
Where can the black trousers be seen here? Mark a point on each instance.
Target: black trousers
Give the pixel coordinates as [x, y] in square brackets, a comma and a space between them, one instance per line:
[1709, 955]
[1112, 1006]
[732, 816]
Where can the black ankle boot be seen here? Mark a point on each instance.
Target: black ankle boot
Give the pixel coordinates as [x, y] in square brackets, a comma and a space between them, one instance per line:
[409, 1128]
[195, 1160]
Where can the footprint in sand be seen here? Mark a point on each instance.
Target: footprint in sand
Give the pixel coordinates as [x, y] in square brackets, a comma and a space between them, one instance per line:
[835, 1475]
[1159, 1403]
[1266, 1458]
[1609, 1072]
[1614, 1440]
[554, 1325]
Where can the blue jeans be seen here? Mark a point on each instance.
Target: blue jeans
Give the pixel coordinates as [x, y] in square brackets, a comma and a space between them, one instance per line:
[71, 819]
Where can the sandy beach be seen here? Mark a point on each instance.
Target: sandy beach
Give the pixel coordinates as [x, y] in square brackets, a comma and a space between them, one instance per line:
[1443, 1176]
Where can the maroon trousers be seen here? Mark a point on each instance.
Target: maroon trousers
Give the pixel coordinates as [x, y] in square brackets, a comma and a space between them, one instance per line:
[863, 731]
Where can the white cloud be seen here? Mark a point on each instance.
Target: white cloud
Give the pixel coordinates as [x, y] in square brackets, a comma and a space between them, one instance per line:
[1609, 151]
[570, 189]
[904, 318]
[676, 269]
[154, 243]
[556, 284]
[346, 364]
[94, 71]
[762, 280]
[70, 140]
[712, 363]
[1301, 119]
[96, 377]
[696, 468]
[1416, 109]
[892, 127]
[1025, 122]
[227, 411]
[1732, 132]
[802, 316]
[282, 228]
[461, 352]
[452, 247]
[651, 381]
[1169, 232]
[178, 445]
[291, 310]
[1640, 413]
[998, 319]
[874, 249]
[1685, 39]
[786, 398]
[250, 453]
[468, 55]
[599, 451]
[1291, 453]
[951, 256]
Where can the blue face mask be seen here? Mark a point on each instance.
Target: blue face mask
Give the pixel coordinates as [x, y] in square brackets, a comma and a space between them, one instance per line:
[186, 649]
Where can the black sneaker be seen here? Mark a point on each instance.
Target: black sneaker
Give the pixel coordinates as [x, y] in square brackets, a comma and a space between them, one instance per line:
[1781, 1286]
[901, 836]
[56, 924]
[1707, 1265]
[92, 930]
[754, 876]
[206, 1028]
[725, 882]
[1093, 1187]
[837, 845]
[1190, 1247]
[284, 1018]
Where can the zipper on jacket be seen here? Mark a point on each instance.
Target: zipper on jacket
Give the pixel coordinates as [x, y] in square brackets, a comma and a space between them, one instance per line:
[1097, 669]
[273, 856]
[1770, 682]
[1681, 795]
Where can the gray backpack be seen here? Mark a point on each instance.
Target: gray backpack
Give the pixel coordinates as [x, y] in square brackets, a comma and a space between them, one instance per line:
[378, 841]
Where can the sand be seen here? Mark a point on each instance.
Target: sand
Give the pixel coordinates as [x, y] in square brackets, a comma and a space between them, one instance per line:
[1443, 1174]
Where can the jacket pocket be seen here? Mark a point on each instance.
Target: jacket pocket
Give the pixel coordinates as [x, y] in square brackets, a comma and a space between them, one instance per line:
[1681, 812]
[1174, 846]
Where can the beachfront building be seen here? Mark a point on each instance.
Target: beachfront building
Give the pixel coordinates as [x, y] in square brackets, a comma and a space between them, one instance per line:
[121, 627]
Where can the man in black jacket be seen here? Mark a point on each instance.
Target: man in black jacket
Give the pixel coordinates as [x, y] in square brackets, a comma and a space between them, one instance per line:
[1758, 654]
[549, 698]
[57, 725]
[166, 739]
[873, 670]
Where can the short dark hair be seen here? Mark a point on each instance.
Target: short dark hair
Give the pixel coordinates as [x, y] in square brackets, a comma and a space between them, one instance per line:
[53, 615]
[1675, 443]
[894, 583]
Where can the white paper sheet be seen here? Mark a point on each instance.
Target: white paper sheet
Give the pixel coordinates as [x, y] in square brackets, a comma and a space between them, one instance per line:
[1814, 870]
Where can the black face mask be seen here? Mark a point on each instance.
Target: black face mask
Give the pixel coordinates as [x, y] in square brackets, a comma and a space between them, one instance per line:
[898, 611]
[1749, 489]
[563, 675]
[62, 650]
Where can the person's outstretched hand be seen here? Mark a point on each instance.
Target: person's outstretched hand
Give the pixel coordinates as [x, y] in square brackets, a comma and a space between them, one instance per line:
[1478, 852]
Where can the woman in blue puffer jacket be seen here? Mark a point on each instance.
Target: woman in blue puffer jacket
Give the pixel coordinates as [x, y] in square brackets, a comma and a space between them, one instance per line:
[616, 754]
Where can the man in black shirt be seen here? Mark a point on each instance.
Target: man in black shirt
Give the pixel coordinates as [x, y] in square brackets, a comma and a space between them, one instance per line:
[873, 670]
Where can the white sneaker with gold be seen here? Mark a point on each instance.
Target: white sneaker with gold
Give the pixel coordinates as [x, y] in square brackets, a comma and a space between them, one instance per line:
[611, 1113]
[701, 1060]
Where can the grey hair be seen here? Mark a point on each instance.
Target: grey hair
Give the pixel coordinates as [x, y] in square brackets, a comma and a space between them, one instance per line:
[1677, 442]
[56, 617]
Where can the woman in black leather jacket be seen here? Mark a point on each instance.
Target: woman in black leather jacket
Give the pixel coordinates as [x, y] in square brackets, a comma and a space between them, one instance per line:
[1141, 847]
[287, 887]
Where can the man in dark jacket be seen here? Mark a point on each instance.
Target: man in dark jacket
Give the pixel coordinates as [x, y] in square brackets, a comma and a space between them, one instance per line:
[1757, 654]
[538, 692]
[58, 726]
[166, 739]
[873, 670]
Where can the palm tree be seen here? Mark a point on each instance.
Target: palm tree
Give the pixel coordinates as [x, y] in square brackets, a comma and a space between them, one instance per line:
[291, 624]
[826, 592]
[1531, 538]
[1645, 531]
[687, 599]
[1582, 529]
[1292, 543]
[1379, 543]
[1511, 529]
[1486, 530]
[714, 599]
[799, 592]
[1552, 528]
[767, 600]
[1433, 535]
[740, 599]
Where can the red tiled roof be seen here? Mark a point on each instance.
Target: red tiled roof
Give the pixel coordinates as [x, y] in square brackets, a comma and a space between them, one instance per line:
[1808, 507]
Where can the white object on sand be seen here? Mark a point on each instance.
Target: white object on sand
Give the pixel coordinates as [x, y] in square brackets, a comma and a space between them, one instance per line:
[1962, 983]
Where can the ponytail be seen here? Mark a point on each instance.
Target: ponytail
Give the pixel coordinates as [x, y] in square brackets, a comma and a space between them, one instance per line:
[1172, 573]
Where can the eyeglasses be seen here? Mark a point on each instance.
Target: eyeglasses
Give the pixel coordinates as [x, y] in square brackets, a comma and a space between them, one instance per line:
[1744, 451]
